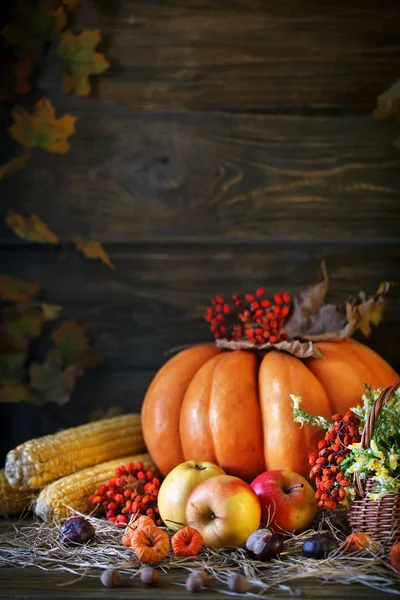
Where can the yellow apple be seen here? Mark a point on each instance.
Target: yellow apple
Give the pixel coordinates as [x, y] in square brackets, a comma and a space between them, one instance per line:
[225, 510]
[287, 500]
[178, 485]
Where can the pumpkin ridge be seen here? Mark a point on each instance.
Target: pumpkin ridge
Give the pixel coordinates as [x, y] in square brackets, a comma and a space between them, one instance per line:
[194, 426]
[235, 415]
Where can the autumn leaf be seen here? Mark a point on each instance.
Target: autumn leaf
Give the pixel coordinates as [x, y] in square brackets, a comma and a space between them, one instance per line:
[94, 250]
[14, 78]
[50, 311]
[20, 324]
[42, 129]
[78, 60]
[70, 341]
[35, 24]
[14, 392]
[17, 290]
[52, 381]
[373, 312]
[11, 365]
[14, 165]
[388, 103]
[101, 413]
[30, 228]
[71, 4]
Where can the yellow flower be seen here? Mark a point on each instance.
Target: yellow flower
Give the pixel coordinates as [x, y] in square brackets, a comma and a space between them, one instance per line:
[374, 464]
[393, 459]
[375, 450]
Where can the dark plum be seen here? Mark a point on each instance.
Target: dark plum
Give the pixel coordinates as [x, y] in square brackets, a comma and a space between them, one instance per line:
[76, 531]
[319, 546]
[263, 544]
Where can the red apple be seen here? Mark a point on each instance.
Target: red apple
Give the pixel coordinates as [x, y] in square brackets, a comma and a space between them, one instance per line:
[287, 500]
[225, 510]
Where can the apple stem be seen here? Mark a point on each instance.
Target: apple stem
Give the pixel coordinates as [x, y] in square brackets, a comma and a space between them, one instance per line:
[294, 487]
[200, 468]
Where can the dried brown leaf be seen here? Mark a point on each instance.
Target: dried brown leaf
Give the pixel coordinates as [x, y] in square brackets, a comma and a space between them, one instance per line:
[94, 250]
[14, 165]
[17, 290]
[31, 228]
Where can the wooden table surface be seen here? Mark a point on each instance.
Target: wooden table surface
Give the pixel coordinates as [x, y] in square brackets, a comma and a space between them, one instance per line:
[30, 583]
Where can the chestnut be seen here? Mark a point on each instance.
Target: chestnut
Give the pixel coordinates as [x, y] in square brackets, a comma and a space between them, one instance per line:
[76, 530]
[263, 544]
[319, 545]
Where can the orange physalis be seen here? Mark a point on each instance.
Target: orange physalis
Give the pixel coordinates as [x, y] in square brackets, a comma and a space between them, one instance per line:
[187, 542]
[142, 521]
[359, 541]
[150, 544]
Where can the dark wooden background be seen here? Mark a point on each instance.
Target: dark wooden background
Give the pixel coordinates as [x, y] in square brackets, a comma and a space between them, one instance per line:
[230, 145]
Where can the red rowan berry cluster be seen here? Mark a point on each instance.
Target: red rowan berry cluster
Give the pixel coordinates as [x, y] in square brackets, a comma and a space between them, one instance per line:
[252, 318]
[133, 491]
[330, 480]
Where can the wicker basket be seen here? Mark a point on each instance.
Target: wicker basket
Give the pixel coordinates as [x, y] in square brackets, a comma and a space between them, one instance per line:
[378, 518]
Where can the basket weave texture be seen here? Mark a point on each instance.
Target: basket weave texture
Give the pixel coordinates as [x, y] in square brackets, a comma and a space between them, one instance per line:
[378, 518]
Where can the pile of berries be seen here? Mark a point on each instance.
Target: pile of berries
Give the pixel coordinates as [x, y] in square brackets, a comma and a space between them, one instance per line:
[253, 318]
[132, 492]
[330, 480]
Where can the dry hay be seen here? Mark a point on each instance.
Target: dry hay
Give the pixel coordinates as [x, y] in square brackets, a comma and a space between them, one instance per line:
[36, 545]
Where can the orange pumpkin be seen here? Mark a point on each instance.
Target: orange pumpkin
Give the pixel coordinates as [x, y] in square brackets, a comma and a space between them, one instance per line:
[187, 542]
[234, 408]
[150, 544]
[142, 521]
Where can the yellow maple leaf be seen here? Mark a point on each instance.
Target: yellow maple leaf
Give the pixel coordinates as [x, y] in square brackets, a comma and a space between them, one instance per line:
[42, 129]
[375, 309]
[14, 165]
[31, 228]
[94, 250]
[78, 60]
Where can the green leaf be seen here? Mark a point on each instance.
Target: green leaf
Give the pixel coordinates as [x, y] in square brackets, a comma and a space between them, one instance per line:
[55, 384]
[17, 290]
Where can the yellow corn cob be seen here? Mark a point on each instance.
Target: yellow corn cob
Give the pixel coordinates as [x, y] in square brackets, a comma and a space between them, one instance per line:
[73, 491]
[37, 462]
[13, 501]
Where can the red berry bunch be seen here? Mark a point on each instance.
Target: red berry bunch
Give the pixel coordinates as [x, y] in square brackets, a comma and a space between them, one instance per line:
[133, 491]
[330, 480]
[253, 318]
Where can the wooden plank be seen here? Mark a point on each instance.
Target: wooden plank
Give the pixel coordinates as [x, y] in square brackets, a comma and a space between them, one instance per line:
[283, 57]
[31, 583]
[195, 176]
[156, 298]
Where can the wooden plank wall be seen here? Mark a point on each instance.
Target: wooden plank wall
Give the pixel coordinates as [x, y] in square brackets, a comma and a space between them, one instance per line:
[230, 145]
